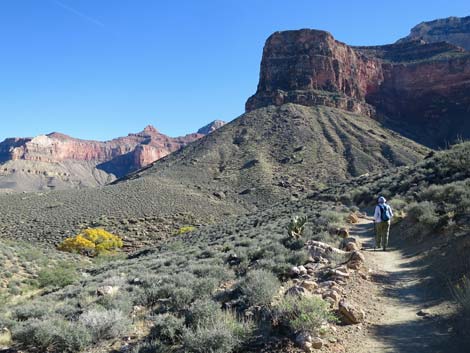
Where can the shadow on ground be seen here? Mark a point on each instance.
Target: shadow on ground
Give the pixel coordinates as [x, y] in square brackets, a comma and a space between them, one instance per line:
[414, 285]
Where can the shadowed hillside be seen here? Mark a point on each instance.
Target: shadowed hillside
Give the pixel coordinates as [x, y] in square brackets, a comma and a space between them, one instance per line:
[292, 148]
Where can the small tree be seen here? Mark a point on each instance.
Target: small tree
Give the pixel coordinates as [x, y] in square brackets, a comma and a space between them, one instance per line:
[91, 242]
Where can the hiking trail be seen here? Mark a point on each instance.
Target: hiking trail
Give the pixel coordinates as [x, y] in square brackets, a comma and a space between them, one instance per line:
[409, 319]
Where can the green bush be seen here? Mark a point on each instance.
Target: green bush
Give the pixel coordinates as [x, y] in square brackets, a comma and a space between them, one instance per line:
[259, 287]
[303, 313]
[154, 346]
[105, 324]
[30, 311]
[52, 335]
[423, 213]
[223, 334]
[167, 328]
[58, 277]
[202, 312]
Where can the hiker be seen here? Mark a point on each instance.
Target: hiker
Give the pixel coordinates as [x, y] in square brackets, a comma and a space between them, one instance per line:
[382, 218]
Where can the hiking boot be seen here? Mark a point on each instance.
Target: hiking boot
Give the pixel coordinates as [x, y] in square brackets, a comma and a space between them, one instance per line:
[385, 248]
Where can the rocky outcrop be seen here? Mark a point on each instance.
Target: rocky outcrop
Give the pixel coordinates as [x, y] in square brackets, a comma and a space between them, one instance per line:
[53, 156]
[310, 67]
[423, 86]
[455, 30]
[216, 124]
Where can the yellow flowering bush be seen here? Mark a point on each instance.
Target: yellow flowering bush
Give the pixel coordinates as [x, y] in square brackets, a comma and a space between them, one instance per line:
[185, 229]
[91, 242]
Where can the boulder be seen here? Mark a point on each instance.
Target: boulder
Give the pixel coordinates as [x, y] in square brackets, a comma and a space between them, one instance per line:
[297, 291]
[349, 313]
[343, 232]
[309, 285]
[350, 244]
[356, 260]
[353, 218]
[308, 342]
[106, 290]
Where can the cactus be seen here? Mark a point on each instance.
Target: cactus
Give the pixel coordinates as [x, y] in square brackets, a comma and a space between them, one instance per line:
[296, 227]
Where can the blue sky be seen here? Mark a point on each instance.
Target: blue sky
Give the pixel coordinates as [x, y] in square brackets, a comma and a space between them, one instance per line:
[98, 69]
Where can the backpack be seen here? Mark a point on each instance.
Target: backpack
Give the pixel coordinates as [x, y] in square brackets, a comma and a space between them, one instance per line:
[385, 213]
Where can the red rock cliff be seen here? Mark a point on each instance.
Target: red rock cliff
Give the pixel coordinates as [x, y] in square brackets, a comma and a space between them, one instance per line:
[118, 156]
[424, 85]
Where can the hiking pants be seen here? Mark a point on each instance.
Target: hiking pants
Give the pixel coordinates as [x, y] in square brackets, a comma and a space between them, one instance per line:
[382, 229]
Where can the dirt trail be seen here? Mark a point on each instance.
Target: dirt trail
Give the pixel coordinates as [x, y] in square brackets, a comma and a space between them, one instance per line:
[409, 319]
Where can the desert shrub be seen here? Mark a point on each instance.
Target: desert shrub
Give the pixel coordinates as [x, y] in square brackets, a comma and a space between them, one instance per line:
[105, 324]
[424, 214]
[259, 287]
[461, 293]
[303, 313]
[181, 297]
[202, 312]
[329, 217]
[293, 243]
[52, 335]
[30, 311]
[59, 276]
[203, 287]
[223, 334]
[398, 204]
[209, 270]
[167, 328]
[121, 302]
[153, 346]
[91, 242]
[185, 229]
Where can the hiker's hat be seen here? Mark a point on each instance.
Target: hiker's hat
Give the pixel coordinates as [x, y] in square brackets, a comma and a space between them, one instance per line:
[382, 199]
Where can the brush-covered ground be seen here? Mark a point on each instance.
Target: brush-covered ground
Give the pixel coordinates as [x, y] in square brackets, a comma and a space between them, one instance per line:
[221, 287]
[267, 155]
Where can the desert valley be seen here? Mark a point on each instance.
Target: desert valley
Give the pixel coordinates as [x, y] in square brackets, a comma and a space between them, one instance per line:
[257, 235]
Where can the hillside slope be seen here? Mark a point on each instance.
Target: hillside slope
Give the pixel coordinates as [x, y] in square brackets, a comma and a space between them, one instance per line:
[205, 270]
[265, 156]
[272, 152]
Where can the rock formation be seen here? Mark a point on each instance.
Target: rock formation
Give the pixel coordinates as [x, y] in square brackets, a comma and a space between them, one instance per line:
[455, 30]
[423, 89]
[216, 124]
[83, 162]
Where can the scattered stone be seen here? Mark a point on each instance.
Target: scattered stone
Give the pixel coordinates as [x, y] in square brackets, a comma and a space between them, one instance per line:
[220, 195]
[309, 285]
[106, 290]
[350, 244]
[423, 313]
[350, 314]
[353, 218]
[302, 270]
[297, 291]
[356, 260]
[343, 232]
[294, 271]
[308, 343]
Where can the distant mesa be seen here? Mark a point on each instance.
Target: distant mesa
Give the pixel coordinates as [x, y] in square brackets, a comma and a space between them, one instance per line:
[454, 30]
[59, 161]
[418, 87]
